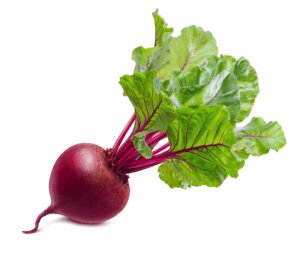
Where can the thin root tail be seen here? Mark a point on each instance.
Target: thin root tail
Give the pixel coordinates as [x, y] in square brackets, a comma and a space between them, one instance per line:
[47, 211]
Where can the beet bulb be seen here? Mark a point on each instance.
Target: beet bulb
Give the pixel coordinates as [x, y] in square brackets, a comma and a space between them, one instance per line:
[84, 188]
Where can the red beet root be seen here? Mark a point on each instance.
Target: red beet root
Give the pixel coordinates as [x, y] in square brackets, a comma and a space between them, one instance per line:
[84, 188]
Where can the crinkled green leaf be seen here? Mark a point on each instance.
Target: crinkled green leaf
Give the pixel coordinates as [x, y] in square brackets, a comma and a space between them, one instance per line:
[200, 146]
[185, 88]
[152, 58]
[223, 87]
[143, 59]
[212, 84]
[162, 31]
[154, 110]
[189, 49]
[248, 85]
[258, 137]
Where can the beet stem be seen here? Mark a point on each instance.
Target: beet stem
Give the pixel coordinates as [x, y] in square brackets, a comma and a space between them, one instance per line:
[163, 147]
[132, 152]
[129, 147]
[143, 163]
[49, 210]
[123, 134]
[152, 141]
[128, 168]
[157, 138]
[128, 143]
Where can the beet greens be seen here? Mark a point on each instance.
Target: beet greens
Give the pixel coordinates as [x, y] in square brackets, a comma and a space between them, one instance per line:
[190, 99]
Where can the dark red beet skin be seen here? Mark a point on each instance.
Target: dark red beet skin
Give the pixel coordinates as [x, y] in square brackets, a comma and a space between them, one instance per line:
[83, 187]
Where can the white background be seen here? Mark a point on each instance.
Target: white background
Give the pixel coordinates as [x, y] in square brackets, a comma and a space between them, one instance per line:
[60, 62]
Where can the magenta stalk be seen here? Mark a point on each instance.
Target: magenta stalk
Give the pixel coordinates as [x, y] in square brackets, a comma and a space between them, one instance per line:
[163, 147]
[130, 150]
[123, 134]
[152, 139]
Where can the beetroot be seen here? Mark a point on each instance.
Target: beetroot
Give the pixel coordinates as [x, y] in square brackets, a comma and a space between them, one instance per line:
[84, 188]
[187, 102]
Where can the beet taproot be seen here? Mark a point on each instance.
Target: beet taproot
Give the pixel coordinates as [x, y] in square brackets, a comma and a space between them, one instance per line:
[84, 188]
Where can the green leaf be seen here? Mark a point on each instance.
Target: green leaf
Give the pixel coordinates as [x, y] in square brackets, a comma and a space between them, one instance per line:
[151, 58]
[258, 137]
[248, 85]
[154, 110]
[143, 59]
[189, 49]
[200, 148]
[185, 88]
[154, 57]
[141, 145]
[162, 31]
[223, 87]
[212, 84]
